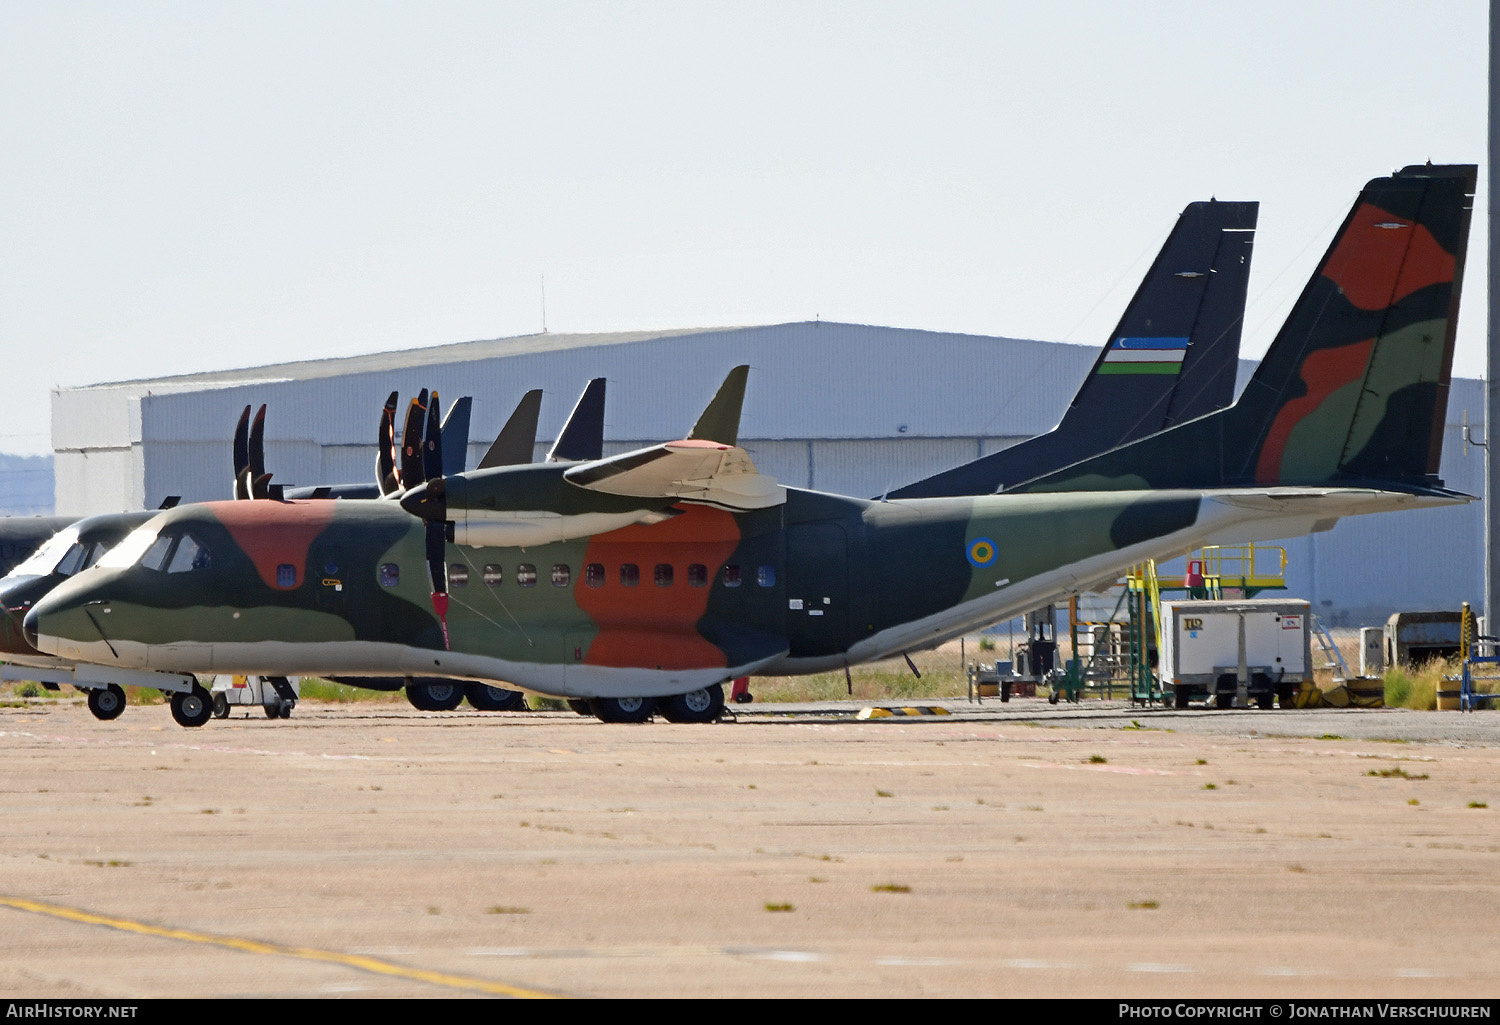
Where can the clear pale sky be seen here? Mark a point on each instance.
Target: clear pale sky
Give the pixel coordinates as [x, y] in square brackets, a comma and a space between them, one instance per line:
[196, 186]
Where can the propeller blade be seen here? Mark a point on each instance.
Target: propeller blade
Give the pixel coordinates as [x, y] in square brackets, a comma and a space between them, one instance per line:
[432, 441]
[241, 454]
[411, 441]
[437, 568]
[259, 478]
[385, 449]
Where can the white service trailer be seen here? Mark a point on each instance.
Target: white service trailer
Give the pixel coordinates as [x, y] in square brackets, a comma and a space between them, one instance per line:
[1235, 652]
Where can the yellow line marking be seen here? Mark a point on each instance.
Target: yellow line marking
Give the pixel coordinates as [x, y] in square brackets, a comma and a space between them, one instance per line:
[368, 964]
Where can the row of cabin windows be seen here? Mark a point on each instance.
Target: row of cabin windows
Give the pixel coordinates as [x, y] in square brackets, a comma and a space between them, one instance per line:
[594, 575]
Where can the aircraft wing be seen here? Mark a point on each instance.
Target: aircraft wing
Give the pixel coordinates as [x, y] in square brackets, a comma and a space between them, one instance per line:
[693, 470]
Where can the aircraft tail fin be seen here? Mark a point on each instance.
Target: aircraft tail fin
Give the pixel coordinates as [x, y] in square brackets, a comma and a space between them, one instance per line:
[1171, 358]
[455, 432]
[721, 419]
[516, 443]
[582, 437]
[1354, 389]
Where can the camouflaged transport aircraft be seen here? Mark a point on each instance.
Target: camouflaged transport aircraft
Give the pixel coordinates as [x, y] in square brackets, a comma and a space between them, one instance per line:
[644, 581]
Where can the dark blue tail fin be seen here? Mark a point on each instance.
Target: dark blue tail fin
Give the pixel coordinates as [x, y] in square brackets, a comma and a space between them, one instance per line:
[1171, 358]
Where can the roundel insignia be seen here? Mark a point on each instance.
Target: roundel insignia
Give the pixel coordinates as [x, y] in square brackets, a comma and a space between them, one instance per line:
[981, 551]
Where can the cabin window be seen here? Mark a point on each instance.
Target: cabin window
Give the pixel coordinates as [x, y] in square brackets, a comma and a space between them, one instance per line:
[663, 574]
[593, 574]
[730, 577]
[156, 555]
[458, 575]
[765, 576]
[697, 575]
[390, 574]
[561, 574]
[493, 574]
[630, 574]
[190, 555]
[526, 575]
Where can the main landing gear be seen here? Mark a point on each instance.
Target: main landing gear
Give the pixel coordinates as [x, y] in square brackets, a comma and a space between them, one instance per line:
[494, 699]
[434, 695]
[703, 705]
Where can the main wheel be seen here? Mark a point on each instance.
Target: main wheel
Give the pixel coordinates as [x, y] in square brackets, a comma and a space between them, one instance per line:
[284, 708]
[193, 707]
[623, 709]
[272, 709]
[744, 697]
[435, 696]
[494, 699]
[1179, 698]
[705, 705]
[1224, 699]
[221, 706]
[107, 702]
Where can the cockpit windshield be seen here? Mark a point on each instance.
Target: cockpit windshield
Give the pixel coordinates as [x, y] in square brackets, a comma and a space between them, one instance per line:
[128, 552]
[170, 552]
[46, 558]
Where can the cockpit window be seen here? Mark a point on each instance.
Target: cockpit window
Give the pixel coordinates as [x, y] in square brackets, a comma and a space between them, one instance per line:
[73, 561]
[128, 552]
[156, 555]
[188, 556]
[45, 559]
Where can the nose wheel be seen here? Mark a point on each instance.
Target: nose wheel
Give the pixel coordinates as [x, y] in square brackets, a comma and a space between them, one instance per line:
[192, 707]
[107, 702]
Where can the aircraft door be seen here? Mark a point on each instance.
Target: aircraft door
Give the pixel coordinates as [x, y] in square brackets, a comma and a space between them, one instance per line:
[817, 589]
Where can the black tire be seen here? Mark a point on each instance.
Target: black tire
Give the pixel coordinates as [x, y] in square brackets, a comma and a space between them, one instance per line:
[1052, 698]
[284, 709]
[1224, 699]
[221, 706]
[1265, 700]
[435, 695]
[107, 702]
[623, 709]
[273, 711]
[494, 699]
[192, 708]
[744, 697]
[705, 705]
[580, 705]
[1286, 696]
[1179, 698]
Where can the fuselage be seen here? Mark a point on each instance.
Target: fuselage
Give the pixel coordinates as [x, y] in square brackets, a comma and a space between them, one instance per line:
[655, 608]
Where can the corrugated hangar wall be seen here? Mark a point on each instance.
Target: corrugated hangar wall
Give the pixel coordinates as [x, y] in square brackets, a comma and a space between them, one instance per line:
[847, 408]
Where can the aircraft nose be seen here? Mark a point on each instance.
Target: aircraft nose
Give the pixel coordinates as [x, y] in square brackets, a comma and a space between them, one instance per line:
[29, 628]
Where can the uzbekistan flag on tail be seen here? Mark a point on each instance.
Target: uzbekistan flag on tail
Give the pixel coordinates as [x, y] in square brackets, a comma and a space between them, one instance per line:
[1144, 356]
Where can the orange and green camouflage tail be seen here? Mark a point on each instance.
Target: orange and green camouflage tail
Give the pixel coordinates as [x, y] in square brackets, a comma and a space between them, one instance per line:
[1354, 390]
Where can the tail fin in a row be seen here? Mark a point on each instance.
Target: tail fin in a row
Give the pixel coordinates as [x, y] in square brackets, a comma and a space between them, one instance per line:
[1354, 389]
[1171, 358]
